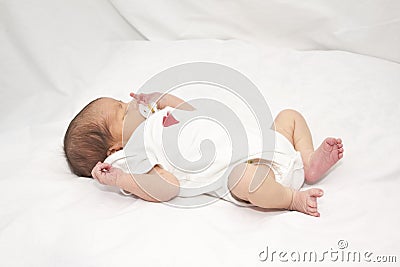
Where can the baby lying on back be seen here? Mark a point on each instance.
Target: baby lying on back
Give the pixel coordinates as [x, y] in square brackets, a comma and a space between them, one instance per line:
[106, 127]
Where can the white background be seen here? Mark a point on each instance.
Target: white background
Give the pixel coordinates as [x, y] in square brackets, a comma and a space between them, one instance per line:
[335, 63]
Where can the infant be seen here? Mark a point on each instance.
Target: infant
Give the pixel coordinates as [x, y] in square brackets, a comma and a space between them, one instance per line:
[105, 127]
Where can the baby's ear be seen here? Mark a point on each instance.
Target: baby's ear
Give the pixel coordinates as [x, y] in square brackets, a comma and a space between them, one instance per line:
[114, 148]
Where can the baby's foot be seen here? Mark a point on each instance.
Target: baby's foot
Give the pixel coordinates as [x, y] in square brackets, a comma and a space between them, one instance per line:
[306, 201]
[322, 159]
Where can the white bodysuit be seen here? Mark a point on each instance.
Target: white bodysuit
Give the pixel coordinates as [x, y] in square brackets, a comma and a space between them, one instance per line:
[202, 167]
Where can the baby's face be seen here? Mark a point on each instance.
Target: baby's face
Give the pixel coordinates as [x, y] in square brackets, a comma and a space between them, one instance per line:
[123, 117]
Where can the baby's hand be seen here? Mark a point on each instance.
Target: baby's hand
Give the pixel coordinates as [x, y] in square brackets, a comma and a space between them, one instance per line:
[105, 174]
[149, 98]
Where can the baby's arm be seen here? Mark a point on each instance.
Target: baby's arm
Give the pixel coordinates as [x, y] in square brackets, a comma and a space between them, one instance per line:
[174, 102]
[157, 185]
[163, 100]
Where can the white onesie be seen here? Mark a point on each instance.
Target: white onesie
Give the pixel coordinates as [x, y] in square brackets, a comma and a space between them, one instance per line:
[202, 167]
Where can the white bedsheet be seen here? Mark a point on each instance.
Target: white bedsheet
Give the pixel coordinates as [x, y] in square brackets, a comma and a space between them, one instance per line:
[365, 27]
[49, 217]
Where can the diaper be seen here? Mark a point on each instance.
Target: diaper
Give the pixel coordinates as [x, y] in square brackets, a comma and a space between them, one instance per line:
[288, 170]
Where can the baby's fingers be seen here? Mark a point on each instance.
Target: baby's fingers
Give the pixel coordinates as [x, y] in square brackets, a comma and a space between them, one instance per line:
[135, 96]
[139, 98]
[96, 170]
[99, 171]
[104, 167]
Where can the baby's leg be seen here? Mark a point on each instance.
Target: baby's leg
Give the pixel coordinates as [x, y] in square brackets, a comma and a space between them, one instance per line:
[293, 126]
[256, 184]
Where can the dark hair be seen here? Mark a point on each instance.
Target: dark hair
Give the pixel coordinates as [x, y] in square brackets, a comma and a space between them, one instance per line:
[87, 140]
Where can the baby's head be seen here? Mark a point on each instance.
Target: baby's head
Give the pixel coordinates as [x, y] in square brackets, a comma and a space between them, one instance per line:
[94, 134]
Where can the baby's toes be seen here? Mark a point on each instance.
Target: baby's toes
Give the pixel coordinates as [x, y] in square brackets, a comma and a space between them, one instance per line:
[311, 202]
[340, 155]
[335, 147]
[314, 193]
[312, 208]
[315, 214]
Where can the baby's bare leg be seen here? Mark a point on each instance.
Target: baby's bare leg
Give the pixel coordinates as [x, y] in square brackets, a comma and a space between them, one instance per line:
[293, 126]
[256, 184]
